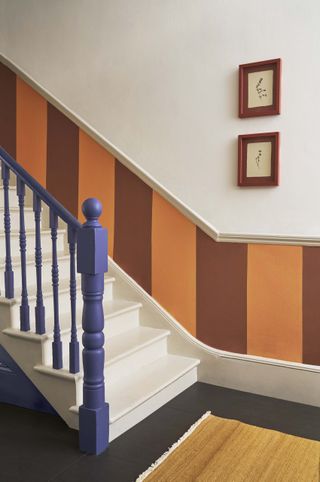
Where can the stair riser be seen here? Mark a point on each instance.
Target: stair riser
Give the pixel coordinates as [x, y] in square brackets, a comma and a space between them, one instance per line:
[64, 269]
[121, 323]
[15, 220]
[129, 319]
[136, 360]
[13, 198]
[46, 244]
[64, 305]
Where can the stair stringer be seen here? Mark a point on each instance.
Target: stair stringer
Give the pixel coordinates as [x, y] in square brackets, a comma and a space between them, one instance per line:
[285, 380]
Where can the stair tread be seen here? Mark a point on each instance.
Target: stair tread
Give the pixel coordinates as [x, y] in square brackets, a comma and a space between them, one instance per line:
[116, 306]
[46, 257]
[15, 232]
[63, 285]
[111, 308]
[132, 390]
[118, 346]
[131, 341]
[16, 208]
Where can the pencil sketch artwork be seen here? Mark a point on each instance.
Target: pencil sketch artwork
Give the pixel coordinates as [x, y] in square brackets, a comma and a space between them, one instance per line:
[260, 88]
[259, 156]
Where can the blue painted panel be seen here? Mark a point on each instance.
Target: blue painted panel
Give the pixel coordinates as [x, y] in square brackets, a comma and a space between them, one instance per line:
[17, 389]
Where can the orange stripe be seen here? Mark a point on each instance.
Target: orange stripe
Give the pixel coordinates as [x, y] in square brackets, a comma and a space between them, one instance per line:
[174, 262]
[31, 131]
[275, 301]
[96, 179]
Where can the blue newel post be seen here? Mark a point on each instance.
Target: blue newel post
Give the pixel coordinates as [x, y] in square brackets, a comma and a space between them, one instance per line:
[92, 263]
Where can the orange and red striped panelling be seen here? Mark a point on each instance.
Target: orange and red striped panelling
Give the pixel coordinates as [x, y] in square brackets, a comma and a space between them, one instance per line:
[311, 305]
[63, 159]
[8, 110]
[274, 301]
[256, 299]
[132, 229]
[31, 131]
[97, 179]
[221, 293]
[174, 262]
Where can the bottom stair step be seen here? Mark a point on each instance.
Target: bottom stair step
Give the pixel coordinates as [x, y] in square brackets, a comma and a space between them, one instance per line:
[138, 395]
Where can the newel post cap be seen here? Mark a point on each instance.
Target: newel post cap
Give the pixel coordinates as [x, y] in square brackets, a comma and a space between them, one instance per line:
[92, 209]
[92, 254]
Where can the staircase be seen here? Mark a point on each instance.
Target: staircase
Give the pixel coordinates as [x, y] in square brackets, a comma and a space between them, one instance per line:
[141, 373]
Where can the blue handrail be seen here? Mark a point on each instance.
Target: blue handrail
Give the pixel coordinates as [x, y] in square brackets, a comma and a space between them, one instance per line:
[42, 193]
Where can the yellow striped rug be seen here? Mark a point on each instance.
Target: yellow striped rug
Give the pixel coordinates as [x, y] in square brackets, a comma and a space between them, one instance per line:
[222, 450]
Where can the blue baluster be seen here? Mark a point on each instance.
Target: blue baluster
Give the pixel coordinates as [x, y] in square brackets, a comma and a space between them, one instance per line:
[92, 264]
[8, 274]
[56, 344]
[24, 308]
[74, 344]
[39, 309]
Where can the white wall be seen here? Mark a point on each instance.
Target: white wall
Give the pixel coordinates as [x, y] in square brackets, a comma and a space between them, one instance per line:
[159, 79]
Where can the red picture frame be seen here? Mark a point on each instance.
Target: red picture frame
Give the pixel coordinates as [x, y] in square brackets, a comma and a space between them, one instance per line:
[259, 88]
[258, 159]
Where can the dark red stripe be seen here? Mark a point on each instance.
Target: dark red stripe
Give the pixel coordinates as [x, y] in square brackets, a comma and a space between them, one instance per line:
[8, 110]
[311, 306]
[133, 213]
[221, 294]
[63, 159]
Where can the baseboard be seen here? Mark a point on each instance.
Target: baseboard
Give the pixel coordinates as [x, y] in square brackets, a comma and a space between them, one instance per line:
[281, 379]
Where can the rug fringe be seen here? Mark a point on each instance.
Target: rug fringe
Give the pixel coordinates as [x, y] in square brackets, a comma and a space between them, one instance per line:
[172, 448]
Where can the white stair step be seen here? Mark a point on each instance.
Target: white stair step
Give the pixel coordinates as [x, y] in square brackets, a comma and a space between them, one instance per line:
[46, 243]
[135, 396]
[64, 271]
[120, 313]
[121, 316]
[139, 348]
[124, 353]
[64, 302]
[139, 394]
[13, 198]
[15, 219]
[132, 350]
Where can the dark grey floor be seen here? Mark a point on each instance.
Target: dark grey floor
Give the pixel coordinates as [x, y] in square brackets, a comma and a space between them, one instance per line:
[39, 447]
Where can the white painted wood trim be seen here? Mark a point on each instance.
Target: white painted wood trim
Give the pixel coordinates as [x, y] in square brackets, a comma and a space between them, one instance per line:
[282, 239]
[208, 228]
[286, 380]
[191, 339]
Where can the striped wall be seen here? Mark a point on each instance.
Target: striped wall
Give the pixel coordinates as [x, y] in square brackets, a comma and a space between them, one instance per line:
[247, 298]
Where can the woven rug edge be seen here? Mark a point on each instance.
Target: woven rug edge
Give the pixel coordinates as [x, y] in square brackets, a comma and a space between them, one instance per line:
[156, 464]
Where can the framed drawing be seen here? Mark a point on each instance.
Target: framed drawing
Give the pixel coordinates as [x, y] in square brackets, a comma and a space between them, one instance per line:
[259, 88]
[258, 159]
